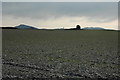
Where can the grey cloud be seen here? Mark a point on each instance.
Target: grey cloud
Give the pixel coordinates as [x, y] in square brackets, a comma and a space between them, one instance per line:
[46, 10]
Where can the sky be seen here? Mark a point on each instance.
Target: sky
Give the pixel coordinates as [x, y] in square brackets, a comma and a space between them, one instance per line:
[60, 14]
[60, 0]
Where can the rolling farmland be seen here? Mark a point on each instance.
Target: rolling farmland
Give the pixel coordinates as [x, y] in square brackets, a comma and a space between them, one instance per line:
[60, 54]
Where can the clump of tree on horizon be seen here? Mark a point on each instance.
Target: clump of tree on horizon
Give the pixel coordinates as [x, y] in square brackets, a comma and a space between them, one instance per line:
[78, 27]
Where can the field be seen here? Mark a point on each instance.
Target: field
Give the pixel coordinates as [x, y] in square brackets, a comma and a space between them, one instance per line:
[60, 54]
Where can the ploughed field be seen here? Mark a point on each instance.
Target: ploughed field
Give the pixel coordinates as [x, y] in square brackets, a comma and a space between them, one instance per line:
[60, 54]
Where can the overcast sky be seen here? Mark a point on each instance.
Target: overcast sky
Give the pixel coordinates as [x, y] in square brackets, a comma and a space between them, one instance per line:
[61, 14]
[60, 0]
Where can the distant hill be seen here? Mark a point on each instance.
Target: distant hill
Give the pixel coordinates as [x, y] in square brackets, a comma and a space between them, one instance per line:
[93, 28]
[22, 26]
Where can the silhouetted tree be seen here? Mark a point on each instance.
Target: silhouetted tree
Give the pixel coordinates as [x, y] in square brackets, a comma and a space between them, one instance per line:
[78, 27]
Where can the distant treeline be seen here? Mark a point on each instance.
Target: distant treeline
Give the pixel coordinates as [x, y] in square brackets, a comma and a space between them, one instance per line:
[8, 28]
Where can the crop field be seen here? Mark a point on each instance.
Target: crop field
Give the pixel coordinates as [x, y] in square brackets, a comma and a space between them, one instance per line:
[60, 54]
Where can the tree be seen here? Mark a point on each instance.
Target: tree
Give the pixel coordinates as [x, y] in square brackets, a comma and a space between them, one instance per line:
[78, 27]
